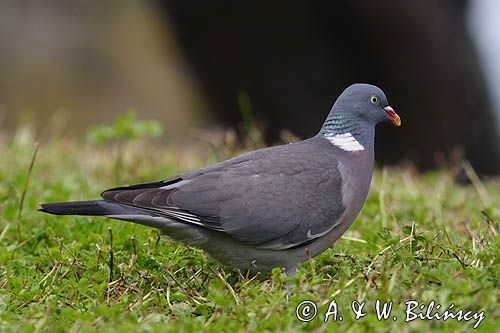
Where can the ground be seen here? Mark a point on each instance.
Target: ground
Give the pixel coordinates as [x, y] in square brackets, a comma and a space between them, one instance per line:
[419, 237]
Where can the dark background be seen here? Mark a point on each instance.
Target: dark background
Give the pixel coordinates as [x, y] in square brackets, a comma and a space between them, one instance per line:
[184, 62]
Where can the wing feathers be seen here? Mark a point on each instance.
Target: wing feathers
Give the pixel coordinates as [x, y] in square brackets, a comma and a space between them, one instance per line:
[154, 197]
[272, 198]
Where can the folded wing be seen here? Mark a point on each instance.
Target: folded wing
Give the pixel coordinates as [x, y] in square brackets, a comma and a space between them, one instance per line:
[269, 198]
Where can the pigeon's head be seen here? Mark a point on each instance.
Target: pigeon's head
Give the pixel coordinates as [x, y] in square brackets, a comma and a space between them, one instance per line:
[367, 102]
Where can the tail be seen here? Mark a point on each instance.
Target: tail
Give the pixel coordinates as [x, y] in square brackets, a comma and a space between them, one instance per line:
[91, 207]
[111, 210]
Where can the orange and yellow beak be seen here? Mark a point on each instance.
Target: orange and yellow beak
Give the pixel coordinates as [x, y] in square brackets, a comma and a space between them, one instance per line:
[392, 116]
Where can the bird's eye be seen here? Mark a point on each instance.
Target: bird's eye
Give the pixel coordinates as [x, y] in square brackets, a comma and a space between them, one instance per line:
[374, 99]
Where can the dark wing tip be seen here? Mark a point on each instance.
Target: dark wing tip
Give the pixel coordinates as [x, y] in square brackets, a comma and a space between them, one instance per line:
[157, 184]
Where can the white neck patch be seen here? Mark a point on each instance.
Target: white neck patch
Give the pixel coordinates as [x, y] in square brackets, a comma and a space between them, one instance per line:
[345, 141]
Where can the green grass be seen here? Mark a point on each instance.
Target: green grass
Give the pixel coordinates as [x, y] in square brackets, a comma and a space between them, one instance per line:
[419, 237]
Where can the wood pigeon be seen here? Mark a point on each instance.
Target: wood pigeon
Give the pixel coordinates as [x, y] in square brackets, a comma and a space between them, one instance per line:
[273, 207]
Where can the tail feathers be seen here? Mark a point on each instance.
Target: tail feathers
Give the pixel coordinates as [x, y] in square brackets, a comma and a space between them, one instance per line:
[111, 210]
[91, 207]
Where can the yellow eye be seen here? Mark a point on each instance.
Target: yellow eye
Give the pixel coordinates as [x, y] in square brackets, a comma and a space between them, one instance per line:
[374, 99]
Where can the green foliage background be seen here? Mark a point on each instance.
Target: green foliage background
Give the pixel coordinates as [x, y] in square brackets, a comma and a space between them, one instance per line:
[419, 236]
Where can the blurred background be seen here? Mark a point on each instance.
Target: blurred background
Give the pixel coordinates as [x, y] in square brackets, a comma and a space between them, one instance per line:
[190, 64]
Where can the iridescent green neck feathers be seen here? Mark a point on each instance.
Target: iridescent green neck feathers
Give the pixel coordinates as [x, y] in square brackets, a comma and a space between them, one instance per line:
[347, 131]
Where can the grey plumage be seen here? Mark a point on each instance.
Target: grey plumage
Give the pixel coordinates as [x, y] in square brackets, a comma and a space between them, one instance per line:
[272, 207]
